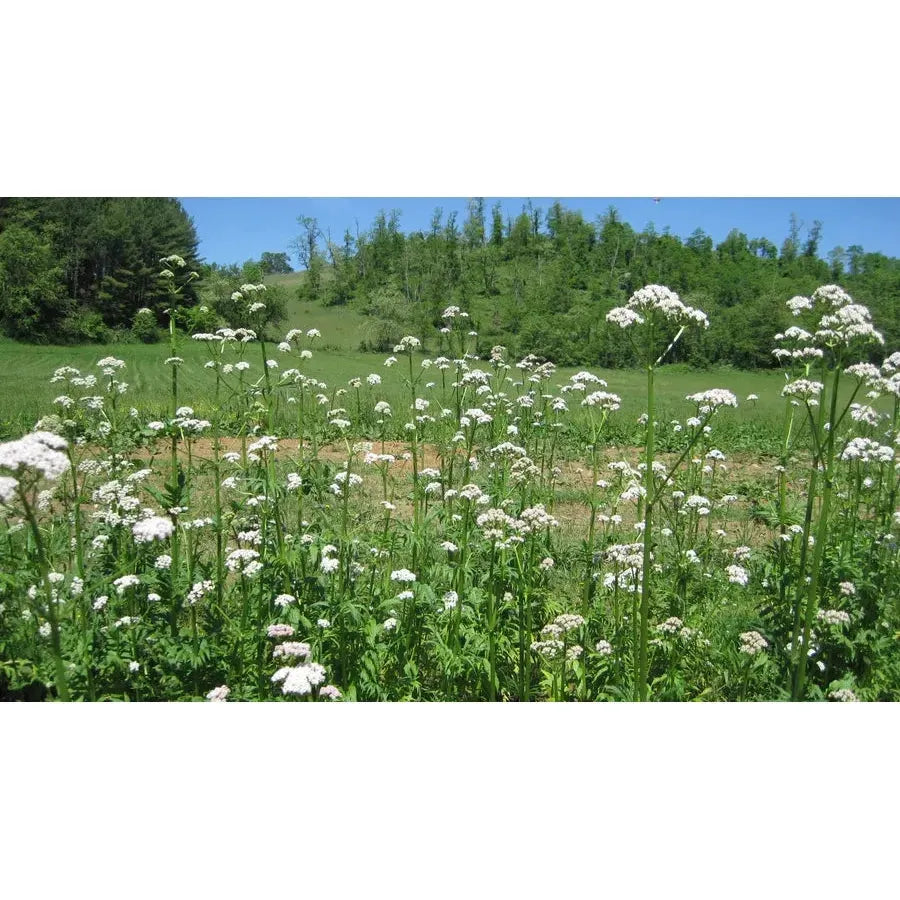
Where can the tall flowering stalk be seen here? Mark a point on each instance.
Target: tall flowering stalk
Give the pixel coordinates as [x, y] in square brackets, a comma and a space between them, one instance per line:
[171, 265]
[603, 402]
[39, 455]
[652, 313]
[842, 326]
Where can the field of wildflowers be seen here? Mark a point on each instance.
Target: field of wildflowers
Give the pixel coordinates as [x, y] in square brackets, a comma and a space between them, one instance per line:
[455, 528]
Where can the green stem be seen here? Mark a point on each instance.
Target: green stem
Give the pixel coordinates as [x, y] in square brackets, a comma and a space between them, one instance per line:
[641, 673]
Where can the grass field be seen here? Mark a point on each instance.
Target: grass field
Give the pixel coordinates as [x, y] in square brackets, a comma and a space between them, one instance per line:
[26, 393]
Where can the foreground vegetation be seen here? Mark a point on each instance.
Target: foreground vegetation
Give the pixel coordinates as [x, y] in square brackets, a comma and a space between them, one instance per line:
[449, 527]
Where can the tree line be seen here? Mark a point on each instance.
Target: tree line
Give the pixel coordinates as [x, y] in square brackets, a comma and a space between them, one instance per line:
[542, 281]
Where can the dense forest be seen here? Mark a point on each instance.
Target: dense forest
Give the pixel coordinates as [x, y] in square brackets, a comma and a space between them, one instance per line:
[78, 269]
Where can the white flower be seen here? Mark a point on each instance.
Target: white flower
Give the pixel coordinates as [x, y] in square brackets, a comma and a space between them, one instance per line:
[844, 695]
[199, 591]
[604, 648]
[713, 398]
[7, 488]
[154, 528]
[291, 648]
[798, 304]
[407, 344]
[848, 588]
[624, 317]
[752, 642]
[280, 630]
[389, 624]
[865, 451]
[329, 564]
[549, 649]
[403, 575]
[282, 600]
[672, 625]
[302, 679]
[125, 582]
[246, 562]
[656, 299]
[219, 694]
[833, 617]
[609, 402]
[737, 575]
[39, 452]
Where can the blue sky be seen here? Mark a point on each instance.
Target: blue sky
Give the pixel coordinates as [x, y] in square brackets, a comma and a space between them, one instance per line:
[236, 229]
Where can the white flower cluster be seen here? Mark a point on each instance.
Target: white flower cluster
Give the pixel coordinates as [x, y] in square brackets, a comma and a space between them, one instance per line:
[7, 488]
[404, 576]
[299, 680]
[737, 575]
[199, 591]
[710, 400]
[453, 312]
[299, 649]
[39, 452]
[833, 617]
[805, 389]
[245, 562]
[603, 400]
[153, 528]
[343, 481]
[848, 324]
[126, 581]
[280, 630]
[865, 450]
[752, 642]
[844, 695]
[505, 531]
[672, 625]
[549, 649]
[562, 625]
[658, 300]
[407, 344]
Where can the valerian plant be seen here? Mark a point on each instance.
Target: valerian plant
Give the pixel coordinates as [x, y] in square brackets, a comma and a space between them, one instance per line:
[454, 528]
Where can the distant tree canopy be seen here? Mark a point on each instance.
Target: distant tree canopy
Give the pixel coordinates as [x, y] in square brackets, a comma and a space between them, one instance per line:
[542, 282]
[275, 264]
[73, 268]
